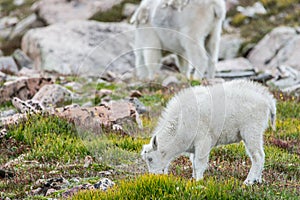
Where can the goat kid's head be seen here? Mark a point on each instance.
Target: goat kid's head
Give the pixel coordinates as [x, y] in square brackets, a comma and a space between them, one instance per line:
[154, 158]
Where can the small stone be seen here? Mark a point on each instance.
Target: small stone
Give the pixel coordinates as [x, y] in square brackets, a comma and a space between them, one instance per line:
[105, 173]
[170, 63]
[170, 81]
[109, 76]
[7, 113]
[74, 85]
[129, 9]
[235, 74]
[136, 93]
[104, 92]
[76, 180]
[19, 2]
[36, 191]
[87, 161]
[29, 73]
[3, 133]
[117, 127]
[139, 106]
[104, 184]
[262, 78]
[251, 11]
[71, 192]
[235, 64]
[8, 65]
[50, 191]
[22, 59]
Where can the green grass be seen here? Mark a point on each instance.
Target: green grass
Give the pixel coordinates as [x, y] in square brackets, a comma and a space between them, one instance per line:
[51, 147]
[49, 138]
[170, 187]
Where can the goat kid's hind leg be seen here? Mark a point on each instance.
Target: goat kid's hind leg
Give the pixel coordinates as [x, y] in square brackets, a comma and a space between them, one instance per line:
[152, 61]
[198, 59]
[192, 158]
[212, 46]
[200, 161]
[140, 67]
[254, 147]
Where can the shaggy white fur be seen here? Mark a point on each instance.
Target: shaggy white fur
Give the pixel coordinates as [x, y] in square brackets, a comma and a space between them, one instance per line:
[189, 28]
[199, 118]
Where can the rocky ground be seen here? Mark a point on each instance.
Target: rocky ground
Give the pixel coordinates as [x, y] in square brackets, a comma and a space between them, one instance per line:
[73, 113]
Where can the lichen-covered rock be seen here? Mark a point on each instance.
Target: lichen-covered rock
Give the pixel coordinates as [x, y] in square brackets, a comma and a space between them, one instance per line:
[23, 88]
[28, 106]
[99, 117]
[49, 186]
[53, 96]
[103, 185]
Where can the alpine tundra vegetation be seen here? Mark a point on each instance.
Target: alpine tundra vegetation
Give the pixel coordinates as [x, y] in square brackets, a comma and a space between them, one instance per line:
[45, 156]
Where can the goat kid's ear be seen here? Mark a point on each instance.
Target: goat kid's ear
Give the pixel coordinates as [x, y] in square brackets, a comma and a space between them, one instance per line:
[154, 143]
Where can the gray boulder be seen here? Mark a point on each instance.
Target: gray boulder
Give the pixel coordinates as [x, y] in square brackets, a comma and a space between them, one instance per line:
[55, 11]
[229, 46]
[280, 47]
[24, 25]
[8, 65]
[82, 48]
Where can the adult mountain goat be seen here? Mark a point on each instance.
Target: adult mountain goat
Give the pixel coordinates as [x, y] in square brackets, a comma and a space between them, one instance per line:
[188, 28]
[199, 118]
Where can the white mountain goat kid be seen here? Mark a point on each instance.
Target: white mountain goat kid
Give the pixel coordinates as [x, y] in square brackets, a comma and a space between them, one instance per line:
[200, 118]
[188, 28]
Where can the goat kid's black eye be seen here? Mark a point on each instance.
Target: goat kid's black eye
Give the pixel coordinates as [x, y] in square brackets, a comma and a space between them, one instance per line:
[150, 159]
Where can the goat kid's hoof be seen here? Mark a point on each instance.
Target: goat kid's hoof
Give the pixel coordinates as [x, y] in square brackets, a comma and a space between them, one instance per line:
[252, 182]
